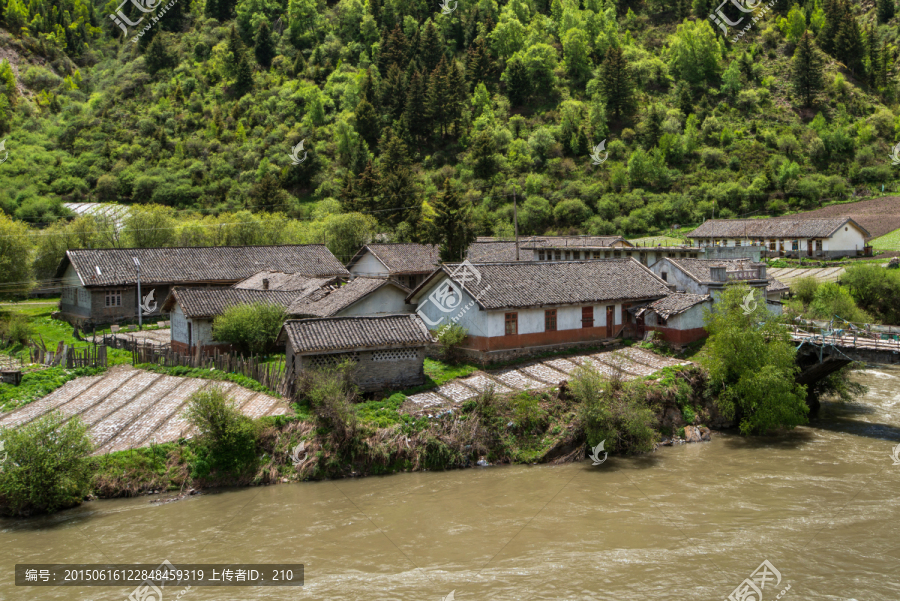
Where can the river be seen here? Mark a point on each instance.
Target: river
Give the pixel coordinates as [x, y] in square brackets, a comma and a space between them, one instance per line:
[688, 522]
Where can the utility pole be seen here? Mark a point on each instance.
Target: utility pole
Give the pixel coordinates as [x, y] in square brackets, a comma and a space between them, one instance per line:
[137, 265]
[516, 225]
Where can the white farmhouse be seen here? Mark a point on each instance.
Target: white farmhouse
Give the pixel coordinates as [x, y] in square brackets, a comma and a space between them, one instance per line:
[837, 237]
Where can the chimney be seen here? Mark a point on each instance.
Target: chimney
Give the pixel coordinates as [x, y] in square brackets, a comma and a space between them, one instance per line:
[265, 283]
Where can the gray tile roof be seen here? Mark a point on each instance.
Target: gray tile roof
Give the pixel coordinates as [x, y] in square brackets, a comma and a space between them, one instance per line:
[279, 280]
[674, 304]
[771, 228]
[341, 298]
[335, 334]
[405, 258]
[219, 264]
[548, 283]
[209, 302]
[699, 269]
[558, 241]
[776, 286]
[496, 251]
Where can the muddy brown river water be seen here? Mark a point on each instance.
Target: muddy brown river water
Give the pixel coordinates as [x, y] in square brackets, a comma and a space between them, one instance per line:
[821, 504]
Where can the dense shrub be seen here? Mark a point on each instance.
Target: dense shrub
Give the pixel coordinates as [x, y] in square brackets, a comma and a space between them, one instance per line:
[330, 393]
[251, 328]
[450, 338]
[46, 466]
[227, 438]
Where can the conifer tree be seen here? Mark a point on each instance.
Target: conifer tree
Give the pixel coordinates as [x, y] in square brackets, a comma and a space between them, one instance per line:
[458, 94]
[264, 46]
[848, 44]
[299, 65]
[398, 193]
[367, 122]
[616, 84]
[518, 85]
[368, 186]
[243, 80]
[395, 50]
[807, 70]
[415, 115]
[431, 47]
[886, 10]
[235, 52]
[438, 96]
[453, 227]
[157, 56]
[479, 63]
[347, 196]
[393, 92]
[484, 159]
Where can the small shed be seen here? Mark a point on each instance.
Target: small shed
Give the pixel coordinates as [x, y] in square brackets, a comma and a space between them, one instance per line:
[387, 351]
[679, 317]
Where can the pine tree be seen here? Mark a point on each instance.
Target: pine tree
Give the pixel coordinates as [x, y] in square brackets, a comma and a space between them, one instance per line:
[267, 194]
[431, 47]
[848, 45]
[884, 65]
[157, 56]
[235, 52]
[479, 63]
[458, 94]
[395, 50]
[347, 196]
[518, 85]
[453, 227]
[834, 12]
[438, 96]
[886, 10]
[616, 83]
[264, 46]
[415, 115]
[807, 70]
[873, 56]
[393, 92]
[397, 193]
[367, 122]
[484, 159]
[243, 80]
[368, 186]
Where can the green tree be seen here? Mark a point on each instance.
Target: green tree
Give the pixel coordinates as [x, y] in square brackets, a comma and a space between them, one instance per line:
[518, 87]
[149, 226]
[453, 227]
[875, 289]
[264, 46]
[616, 84]
[47, 465]
[348, 232]
[243, 80]
[227, 438]
[886, 10]
[484, 156]
[807, 70]
[157, 56]
[15, 257]
[7, 82]
[251, 328]
[750, 359]
[694, 53]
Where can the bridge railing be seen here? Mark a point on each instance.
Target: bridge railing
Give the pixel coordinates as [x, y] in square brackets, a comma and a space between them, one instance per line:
[842, 333]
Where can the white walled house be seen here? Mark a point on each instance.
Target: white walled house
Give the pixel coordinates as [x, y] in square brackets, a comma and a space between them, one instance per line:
[572, 248]
[359, 297]
[837, 237]
[192, 311]
[407, 263]
[680, 318]
[520, 305]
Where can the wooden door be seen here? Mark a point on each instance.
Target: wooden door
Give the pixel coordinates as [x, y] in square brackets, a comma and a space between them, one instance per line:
[809, 248]
[610, 317]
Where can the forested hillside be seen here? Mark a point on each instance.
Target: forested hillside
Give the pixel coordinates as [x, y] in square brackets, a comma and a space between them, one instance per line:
[422, 121]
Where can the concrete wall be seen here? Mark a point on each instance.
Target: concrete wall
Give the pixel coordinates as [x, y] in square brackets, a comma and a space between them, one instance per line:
[369, 266]
[373, 369]
[733, 252]
[387, 299]
[676, 276]
[847, 240]
[200, 337]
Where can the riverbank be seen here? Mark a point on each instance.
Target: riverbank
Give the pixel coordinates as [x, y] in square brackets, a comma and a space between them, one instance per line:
[528, 427]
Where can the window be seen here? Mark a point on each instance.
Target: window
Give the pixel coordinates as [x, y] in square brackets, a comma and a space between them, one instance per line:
[617, 253]
[665, 276]
[540, 255]
[558, 255]
[512, 324]
[596, 254]
[661, 321]
[550, 320]
[587, 317]
[113, 298]
[568, 256]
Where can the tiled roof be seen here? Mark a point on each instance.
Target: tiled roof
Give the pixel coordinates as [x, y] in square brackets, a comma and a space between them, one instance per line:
[548, 283]
[699, 269]
[225, 264]
[771, 228]
[558, 241]
[285, 281]
[494, 252]
[338, 300]
[674, 304]
[209, 302]
[349, 333]
[776, 286]
[403, 258]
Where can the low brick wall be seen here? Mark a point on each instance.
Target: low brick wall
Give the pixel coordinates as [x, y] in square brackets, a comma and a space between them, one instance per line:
[377, 369]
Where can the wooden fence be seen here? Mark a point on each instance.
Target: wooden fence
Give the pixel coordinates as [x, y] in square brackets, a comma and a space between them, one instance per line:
[272, 375]
[68, 356]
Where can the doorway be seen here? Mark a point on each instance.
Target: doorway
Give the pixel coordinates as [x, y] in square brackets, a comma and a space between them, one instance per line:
[610, 318]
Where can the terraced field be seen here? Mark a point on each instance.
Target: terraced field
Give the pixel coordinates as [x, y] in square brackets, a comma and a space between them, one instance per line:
[630, 363]
[129, 408]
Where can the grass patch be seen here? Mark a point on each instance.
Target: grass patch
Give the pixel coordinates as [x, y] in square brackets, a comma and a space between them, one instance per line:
[889, 241]
[207, 374]
[38, 384]
[657, 240]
